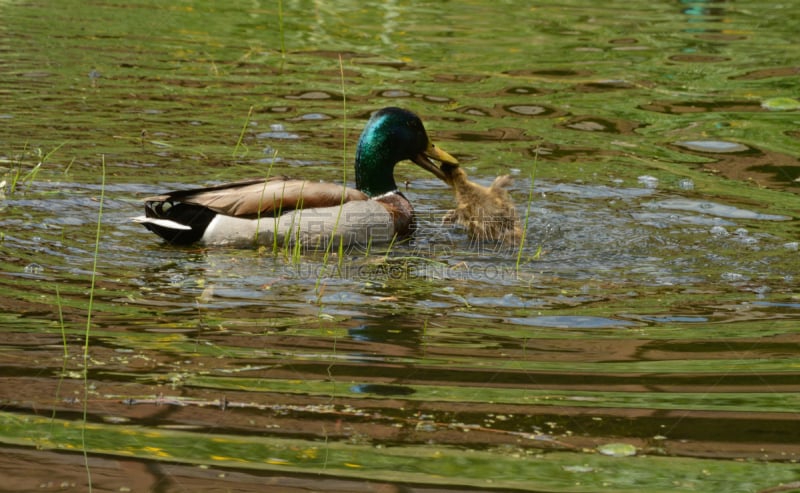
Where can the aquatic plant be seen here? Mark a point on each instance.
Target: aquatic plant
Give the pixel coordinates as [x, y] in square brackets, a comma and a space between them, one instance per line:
[19, 176]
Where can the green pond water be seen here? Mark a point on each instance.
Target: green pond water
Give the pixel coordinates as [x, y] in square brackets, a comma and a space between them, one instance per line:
[645, 337]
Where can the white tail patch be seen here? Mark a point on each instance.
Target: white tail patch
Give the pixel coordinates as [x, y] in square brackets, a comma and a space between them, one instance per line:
[164, 223]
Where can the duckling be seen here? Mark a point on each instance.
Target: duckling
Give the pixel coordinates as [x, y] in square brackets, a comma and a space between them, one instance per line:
[488, 213]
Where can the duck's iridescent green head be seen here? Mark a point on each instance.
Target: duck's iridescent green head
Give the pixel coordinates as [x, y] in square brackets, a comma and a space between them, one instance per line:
[393, 135]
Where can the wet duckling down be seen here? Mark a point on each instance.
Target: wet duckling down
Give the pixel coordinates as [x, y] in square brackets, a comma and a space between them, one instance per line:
[487, 213]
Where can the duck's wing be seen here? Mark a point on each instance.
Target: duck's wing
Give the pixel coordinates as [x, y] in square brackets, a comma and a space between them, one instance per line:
[262, 198]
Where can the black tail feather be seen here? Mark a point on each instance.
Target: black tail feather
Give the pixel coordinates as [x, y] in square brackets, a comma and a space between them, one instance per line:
[195, 216]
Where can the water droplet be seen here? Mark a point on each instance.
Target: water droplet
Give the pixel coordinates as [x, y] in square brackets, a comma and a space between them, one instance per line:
[588, 126]
[748, 240]
[529, 110]
[733, 276]
[719, 231]
[473, 111]
[617, 449]
[648, 181]
[277, 131]
[314, 95]
[315, 116]
[522, 90]
[436, 99]
[761, 291]
[715, 146]
[395, 93]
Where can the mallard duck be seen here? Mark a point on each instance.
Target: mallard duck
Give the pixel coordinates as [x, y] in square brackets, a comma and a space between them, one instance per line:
[282, 210]
[488, 213]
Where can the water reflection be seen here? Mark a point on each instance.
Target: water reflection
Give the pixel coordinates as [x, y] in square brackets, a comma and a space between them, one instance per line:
[697, 58]
[524, 90]
[524, 110]
[716, 146]
[381, 389]
[315, 95]
[677, 107]
[492, 134]
[604, 85]
[573, 322]
[703, 11]
[550, 73]
[593, 124]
